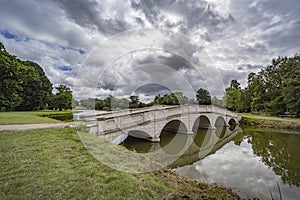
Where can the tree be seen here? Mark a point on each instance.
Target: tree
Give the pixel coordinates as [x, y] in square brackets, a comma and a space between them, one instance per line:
[157, 100]
[123, 103]
[62, 99]
[233, 96]
[248, 92]
[216, 101]
[174, 98]
[203, 97]
[268, 90]
[9, 85]
[181, 99]
[89, 103]
[134, 100]
[167, 100]
[109, 102]
[23, 85]
[291, 95]
[235, 84]
[2, 48]
[36, 87]
[233, 99]
[99, 104]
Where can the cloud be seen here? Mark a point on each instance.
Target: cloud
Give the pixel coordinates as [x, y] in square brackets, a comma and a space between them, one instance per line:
[201, 40]
[106, 16]
[153, 89]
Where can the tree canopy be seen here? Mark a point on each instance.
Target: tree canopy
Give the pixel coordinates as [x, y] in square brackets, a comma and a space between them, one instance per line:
[232, 96]
[62, 100]
[275, 89]
[203, 97]
[23, 85]
[174, 98]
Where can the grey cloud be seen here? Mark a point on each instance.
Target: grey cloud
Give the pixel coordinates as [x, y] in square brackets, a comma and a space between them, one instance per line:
[249, 67]
[40, 22]
[191, 15]
[229, 75]
[174, 61]
[88, 14]
[274, 23]
[152, 89]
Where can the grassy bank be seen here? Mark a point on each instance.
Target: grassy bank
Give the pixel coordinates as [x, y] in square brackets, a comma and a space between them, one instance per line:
[31, 117]
[263, 121]
[54, 164]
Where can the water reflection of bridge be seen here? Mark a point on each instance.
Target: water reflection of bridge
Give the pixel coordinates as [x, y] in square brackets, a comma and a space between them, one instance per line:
[182, 149]
[148, 123]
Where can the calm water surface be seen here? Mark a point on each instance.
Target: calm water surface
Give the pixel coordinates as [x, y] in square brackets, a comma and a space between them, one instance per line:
[253, 162]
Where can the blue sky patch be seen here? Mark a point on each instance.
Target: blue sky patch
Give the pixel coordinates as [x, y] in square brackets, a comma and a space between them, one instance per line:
[11, 36]
[82, 52]
[65, 68]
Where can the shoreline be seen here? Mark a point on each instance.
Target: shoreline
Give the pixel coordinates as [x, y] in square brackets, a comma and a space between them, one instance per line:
[269, 123]
[192, 189]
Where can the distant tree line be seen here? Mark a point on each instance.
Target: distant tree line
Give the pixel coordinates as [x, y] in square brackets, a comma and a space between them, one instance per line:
[24, 86]
[174, 98]
[113, 103]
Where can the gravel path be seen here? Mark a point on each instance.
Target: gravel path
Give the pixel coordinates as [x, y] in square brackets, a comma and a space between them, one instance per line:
[19, 127]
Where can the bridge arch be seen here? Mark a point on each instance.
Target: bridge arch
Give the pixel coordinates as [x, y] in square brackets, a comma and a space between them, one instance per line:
[202, 137]
[220, 122]
[232, 124]
[220, 125]
[176, 126]
[139, 134]
[137, 141]
[171, 141]
[201, 122]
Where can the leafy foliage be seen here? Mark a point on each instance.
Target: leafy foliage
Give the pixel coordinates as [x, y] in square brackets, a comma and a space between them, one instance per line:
[274, 90]
[203, 97]
[23, 85]
[175, 98]
[233, 96]
[62, 99]
[134, 101]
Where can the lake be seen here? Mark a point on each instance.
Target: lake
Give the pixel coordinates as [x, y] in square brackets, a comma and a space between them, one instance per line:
[252, 162]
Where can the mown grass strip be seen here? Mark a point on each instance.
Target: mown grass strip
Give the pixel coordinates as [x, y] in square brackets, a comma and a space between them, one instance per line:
[30, 117]
[273, 118]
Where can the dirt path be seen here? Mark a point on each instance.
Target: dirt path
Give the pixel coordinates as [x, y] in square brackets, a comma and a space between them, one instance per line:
[18, 127]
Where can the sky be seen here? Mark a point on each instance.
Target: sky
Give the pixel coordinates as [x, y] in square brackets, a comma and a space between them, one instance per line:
[146, 47]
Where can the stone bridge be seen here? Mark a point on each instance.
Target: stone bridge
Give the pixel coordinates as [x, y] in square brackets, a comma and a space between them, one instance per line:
[148, 123]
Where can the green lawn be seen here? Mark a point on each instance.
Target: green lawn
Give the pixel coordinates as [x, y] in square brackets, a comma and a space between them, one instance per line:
[54, 164]
[264, 117]
[30, 117]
